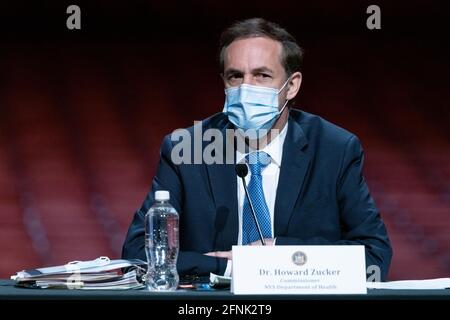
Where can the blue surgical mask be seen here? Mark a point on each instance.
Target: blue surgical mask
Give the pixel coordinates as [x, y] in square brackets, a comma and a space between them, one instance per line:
[253, 107]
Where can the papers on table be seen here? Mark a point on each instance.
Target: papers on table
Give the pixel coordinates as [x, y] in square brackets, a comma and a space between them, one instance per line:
[440, 283]
[101, 273]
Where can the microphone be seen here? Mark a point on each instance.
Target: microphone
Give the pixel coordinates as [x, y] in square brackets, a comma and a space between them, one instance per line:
[242, 171]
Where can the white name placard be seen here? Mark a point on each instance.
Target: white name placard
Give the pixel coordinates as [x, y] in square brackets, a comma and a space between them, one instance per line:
[299, 270]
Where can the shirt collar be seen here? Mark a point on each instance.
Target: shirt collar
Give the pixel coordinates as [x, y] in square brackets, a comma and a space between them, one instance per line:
[274, 149]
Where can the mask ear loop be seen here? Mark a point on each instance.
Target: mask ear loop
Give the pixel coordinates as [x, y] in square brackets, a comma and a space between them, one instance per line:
[284, 85]
[285, 104]
[287, 100]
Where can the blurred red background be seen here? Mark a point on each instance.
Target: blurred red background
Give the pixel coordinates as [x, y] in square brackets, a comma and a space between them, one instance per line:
[82, 114]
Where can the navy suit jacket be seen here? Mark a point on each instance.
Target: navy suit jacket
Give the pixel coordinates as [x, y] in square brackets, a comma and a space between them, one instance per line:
[322, 198]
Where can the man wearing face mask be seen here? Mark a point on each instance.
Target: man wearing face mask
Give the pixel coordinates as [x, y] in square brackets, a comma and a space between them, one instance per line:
[305, 174]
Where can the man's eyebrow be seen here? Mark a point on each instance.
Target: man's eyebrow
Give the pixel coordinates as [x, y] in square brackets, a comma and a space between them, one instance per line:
[262, 69]
[254, 71]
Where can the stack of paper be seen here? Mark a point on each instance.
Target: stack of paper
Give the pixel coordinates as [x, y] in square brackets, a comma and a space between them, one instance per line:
[101, 273]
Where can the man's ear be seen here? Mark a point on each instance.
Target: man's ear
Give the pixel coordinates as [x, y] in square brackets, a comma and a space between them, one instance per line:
[294, 85]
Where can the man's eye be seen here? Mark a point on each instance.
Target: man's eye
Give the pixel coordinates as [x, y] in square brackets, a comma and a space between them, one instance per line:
[263, 75]
[234, 76]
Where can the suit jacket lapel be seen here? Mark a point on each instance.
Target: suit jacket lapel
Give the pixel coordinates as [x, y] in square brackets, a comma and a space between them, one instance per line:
[294, 167]
[223, 184]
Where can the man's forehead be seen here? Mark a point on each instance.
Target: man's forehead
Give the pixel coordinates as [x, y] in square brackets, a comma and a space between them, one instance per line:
[253, 53]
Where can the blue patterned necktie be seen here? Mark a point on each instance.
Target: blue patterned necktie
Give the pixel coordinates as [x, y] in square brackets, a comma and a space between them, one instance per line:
[257, 161]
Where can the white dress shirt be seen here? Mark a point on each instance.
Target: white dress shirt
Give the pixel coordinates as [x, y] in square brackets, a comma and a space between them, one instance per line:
[270, 175]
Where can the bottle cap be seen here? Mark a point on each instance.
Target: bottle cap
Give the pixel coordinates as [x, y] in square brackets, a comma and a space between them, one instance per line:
[162, 195]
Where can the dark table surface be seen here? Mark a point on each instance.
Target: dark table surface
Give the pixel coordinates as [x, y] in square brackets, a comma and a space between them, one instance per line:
[9, 292]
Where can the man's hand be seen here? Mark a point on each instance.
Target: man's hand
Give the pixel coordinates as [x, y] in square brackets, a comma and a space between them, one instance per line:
[220, 254]
[227, 254]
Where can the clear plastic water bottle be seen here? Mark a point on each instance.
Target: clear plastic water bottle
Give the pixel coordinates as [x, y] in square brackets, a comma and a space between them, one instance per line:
[162, 244]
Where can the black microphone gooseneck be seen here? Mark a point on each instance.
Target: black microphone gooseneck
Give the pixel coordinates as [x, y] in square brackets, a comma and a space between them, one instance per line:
[242, 171]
